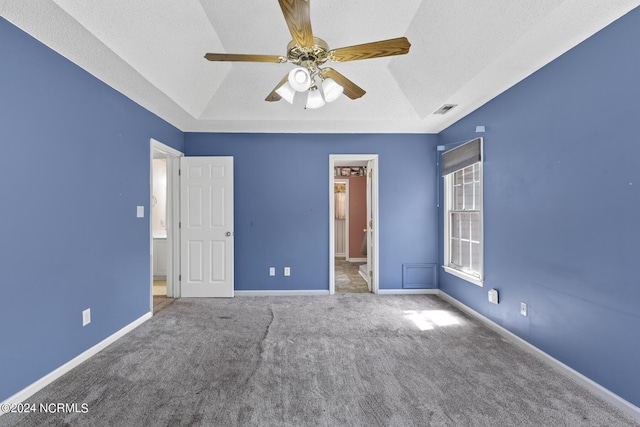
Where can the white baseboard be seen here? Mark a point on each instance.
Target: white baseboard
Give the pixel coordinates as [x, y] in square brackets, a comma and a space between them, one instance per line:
[30, 390]
[356, 259]
[600, 391]
[408, 291]
[279, 293]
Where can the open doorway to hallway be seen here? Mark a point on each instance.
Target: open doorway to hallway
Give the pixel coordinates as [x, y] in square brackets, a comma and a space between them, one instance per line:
[163, 225]
[353, 213]
[350, 212]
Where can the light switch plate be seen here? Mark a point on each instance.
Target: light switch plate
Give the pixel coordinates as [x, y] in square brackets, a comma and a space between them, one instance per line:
[523, 309]
[272, 271]
[140, 212]
[86, 317]
[287, 271]
[493, 296]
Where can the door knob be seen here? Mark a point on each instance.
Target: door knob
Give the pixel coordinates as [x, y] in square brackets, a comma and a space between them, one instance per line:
[228, 233]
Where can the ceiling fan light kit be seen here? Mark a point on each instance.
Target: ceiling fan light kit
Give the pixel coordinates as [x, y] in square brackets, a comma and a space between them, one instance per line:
[286, 92]
[331, 89]
[309, 53]
[300, 79]
[314, 99]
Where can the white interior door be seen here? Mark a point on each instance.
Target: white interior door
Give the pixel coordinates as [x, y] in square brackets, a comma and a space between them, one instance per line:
[370, 224]
[206, 216]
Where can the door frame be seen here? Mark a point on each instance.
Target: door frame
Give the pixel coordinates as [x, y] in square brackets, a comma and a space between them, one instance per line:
[374, 215]
[173, 216]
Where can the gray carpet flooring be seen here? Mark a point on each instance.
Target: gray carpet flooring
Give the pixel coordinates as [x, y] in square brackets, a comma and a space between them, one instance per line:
[344, 360]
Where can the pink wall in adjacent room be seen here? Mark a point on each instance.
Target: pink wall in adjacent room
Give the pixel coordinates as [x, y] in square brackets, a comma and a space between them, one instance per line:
[357, 213]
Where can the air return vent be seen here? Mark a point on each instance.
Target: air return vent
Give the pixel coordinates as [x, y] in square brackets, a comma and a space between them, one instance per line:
[445, 108]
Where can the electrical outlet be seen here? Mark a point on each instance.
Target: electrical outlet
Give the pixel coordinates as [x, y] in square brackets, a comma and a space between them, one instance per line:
[523, 309]
[287, 271]
[272, 271]
[86, 317]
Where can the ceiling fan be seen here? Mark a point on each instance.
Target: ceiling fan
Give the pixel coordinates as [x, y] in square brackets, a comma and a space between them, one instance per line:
[309, 53]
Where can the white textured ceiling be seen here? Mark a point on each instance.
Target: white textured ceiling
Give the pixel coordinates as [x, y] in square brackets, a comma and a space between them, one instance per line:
[463, 52]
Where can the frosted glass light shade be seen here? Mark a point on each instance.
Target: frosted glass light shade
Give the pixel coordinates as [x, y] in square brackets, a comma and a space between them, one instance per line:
[286, 92]
[299, 79]
[314, 99]
[331, 89]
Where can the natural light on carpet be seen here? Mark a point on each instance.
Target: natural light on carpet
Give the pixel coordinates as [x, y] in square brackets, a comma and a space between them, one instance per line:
[428, 319]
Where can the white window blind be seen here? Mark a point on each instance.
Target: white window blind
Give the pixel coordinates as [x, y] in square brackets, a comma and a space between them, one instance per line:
[462, 156]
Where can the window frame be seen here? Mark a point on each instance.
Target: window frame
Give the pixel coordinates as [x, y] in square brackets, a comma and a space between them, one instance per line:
[448, 211]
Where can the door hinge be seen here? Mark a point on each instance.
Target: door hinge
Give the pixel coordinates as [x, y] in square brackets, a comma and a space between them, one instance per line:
[179, 225]
[370, 223]
[179, 172]
[371, 173]
[370, 273]
[180, 278]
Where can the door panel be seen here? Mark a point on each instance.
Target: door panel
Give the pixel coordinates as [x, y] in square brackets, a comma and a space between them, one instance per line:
[217, 251]
[207, 240]
[217, 200]
[195, 256]
[194, 207]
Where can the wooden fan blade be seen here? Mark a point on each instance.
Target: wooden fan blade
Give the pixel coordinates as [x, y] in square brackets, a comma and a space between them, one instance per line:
[244, 58]
[273, 96]
[351, 89]
[399, 46]
[296, 13]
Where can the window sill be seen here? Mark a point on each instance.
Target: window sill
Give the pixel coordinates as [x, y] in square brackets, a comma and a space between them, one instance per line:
[463, 276]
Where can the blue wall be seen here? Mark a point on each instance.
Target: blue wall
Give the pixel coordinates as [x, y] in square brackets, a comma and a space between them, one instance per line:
[74, 165]
[282, 203]
[561, 207]
[562, 203]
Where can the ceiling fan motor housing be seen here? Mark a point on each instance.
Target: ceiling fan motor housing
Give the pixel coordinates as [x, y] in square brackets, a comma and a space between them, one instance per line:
[317, 54]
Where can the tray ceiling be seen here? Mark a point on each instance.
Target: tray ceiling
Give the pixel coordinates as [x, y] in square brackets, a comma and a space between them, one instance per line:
[463, 52]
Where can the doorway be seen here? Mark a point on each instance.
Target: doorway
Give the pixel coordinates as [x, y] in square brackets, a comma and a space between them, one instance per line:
[350, 221]
[359, 256]
[163, 224]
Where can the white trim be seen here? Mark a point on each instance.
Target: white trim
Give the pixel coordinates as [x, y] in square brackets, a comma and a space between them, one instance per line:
[356, 260]
[30, 390]
[592, 386]
[278, 293]
[374, 214]
[165, 148]
[173, 218]
[462, 275]
[408, 291]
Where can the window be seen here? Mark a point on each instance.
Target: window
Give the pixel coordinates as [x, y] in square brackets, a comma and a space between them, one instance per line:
[462, 170]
